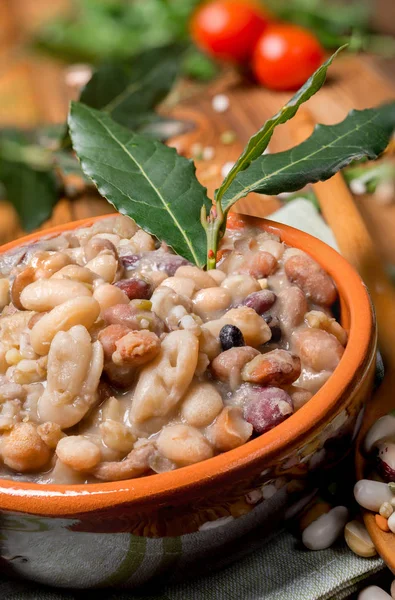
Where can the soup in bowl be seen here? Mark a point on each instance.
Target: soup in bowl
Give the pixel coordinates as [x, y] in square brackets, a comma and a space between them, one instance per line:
[144, 397]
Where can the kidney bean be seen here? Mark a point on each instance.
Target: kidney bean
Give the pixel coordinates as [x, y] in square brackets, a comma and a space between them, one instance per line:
[308, 275]
[318, 349]
[136, 287]
[260, 301]
[277, 367]
[268, 407]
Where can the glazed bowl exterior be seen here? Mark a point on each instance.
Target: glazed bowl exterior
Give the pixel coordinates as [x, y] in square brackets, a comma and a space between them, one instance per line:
[130, 532]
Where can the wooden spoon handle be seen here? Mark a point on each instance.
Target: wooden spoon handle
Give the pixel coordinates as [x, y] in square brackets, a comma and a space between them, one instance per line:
[339, 210]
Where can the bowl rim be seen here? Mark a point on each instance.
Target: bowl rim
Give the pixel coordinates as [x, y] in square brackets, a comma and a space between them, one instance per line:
[211, 474]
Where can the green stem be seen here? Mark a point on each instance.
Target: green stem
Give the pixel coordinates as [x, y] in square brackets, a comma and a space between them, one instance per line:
[214, 231]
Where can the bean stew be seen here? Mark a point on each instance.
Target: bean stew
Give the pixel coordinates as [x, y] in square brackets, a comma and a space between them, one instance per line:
[120, 359]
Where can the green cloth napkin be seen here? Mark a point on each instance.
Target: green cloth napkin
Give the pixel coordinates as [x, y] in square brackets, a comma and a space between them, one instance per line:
[281, 570]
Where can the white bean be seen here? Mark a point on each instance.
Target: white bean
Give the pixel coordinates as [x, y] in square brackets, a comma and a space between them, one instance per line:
[183, 445]
[201, 278]
[181, 285]
[74, 369]
[240, 286]
[104, 265]
[373, 593]
[382, 429]
[255, 330]
[78, 311]
[217, 275]
[275, 248]
[78, 453]
[76, 273]
[372, 494]
[211, 300]
[45, 294]
[108, 295]
[142, 241]
[325, 530]
[201, 404]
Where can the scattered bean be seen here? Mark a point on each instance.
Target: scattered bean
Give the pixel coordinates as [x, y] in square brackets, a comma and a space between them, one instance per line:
[382, 429]
[358, 539]
[372, 494]
[323, 532]
[373, 593]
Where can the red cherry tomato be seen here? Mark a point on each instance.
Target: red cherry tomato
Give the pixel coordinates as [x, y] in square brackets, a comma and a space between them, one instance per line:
[228, 29]
[285, 56]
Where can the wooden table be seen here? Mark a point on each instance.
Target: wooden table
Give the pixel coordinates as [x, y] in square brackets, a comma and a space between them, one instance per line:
[33, 91]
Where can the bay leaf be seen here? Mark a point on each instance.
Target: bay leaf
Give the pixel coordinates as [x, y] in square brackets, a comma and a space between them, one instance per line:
[142, 178]
[362, 134]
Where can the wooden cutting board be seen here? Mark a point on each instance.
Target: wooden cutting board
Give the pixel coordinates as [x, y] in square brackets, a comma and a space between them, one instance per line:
[33, 90]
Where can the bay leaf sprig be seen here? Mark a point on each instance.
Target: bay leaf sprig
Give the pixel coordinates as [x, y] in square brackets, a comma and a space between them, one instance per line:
[142, 178]
[159, 190]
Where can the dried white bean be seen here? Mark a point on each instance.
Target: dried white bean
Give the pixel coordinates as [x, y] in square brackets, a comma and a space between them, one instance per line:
[386, 510]
[372, 494]
[373, 593]
[325, 530]
[382, 429]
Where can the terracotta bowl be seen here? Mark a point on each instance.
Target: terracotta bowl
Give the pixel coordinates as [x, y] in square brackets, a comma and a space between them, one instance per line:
[129, 532]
